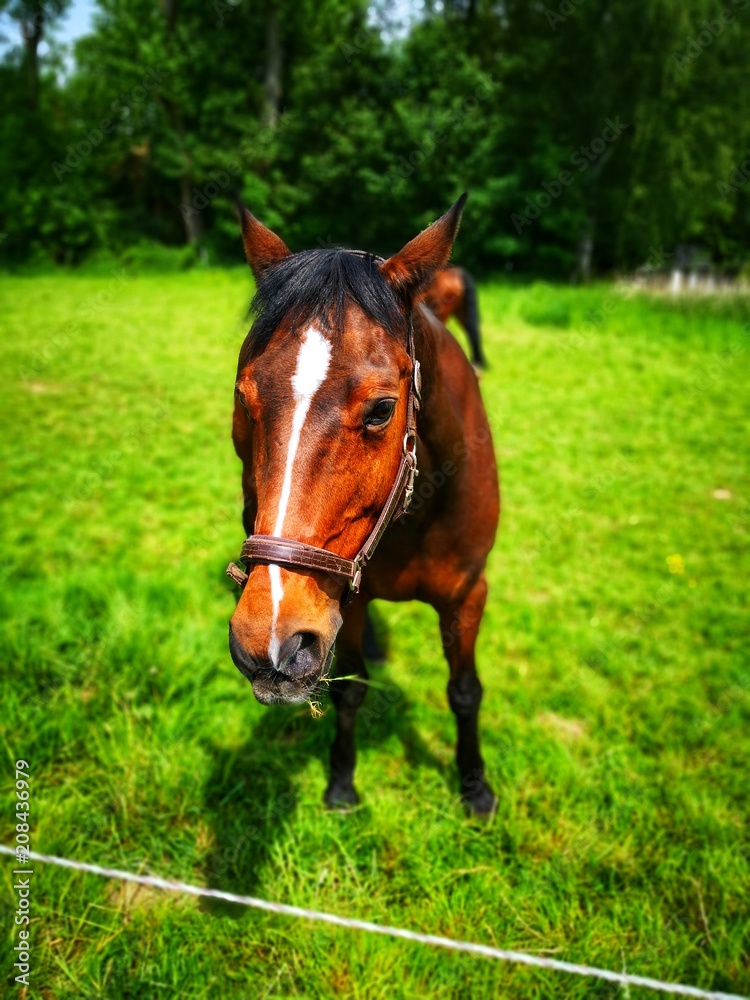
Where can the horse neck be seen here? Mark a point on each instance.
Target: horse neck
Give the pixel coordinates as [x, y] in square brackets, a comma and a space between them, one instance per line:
[426, 334]
[425, 348]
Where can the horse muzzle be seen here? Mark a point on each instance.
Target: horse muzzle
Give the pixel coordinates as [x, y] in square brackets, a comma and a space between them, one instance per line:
[291, 676]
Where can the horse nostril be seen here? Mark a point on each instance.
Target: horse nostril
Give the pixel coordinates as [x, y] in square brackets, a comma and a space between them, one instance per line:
[299, 654]
[307, 639]
[299, 659]
[289, 648]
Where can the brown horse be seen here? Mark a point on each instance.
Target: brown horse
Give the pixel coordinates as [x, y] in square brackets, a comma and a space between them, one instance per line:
[452, 292]
[327, 394]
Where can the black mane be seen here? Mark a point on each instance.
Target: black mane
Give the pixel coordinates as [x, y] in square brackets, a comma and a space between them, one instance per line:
[319, 285]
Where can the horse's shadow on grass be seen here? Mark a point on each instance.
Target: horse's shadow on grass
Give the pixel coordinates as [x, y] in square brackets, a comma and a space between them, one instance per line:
[250, 800]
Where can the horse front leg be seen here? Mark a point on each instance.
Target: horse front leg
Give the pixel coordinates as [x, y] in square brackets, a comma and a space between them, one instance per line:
[459, 625]
[347, 696]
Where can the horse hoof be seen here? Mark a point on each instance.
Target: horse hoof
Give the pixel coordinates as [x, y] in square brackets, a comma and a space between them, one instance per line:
[341, 797]
[483, 804]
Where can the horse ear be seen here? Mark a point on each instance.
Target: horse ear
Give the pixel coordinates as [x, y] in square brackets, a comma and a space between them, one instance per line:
[414, 267]
[263, 248]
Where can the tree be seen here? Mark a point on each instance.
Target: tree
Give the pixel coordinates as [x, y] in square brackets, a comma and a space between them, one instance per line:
[33, 16]
[587, 131]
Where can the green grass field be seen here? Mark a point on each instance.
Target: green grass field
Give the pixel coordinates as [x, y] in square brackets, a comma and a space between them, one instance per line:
[617, 689]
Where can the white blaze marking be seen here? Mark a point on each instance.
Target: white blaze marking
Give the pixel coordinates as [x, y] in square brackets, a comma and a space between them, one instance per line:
[312, 365]
[277, 592]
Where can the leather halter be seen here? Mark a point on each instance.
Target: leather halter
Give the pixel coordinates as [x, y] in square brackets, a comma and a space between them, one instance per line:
[300, 555]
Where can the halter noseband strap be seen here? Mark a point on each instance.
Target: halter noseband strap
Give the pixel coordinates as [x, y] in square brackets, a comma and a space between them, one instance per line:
[300, 555]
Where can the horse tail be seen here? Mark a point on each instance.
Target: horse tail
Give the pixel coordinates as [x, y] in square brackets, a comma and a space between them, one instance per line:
[471, 312]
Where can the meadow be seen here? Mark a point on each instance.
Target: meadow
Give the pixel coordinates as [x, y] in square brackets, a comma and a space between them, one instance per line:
[613, 656]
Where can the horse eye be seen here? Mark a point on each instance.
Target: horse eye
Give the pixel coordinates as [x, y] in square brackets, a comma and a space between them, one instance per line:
[381, 413]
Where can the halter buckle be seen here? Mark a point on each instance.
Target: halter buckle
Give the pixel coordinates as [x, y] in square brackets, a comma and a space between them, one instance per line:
[353, 586]
[410, 477]
[238, 575]
[356, 580]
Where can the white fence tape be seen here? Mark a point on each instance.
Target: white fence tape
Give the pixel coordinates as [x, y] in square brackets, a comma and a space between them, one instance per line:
[517, 957]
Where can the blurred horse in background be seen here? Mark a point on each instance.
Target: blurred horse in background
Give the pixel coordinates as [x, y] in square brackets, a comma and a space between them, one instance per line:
[453, 293]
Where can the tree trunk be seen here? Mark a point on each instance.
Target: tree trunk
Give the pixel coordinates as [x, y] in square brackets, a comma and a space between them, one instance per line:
[170, 8]
[585, 251]
[32, 35]
[273, 66]
[192, 219]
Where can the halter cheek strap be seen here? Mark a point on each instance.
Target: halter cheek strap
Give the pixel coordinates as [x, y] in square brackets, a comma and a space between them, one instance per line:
[299, 555]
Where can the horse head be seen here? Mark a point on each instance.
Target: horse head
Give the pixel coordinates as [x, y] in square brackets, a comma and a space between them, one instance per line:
[324, 384]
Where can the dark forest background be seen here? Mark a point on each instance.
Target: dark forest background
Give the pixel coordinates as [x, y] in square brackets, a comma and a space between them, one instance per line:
[591, 134]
